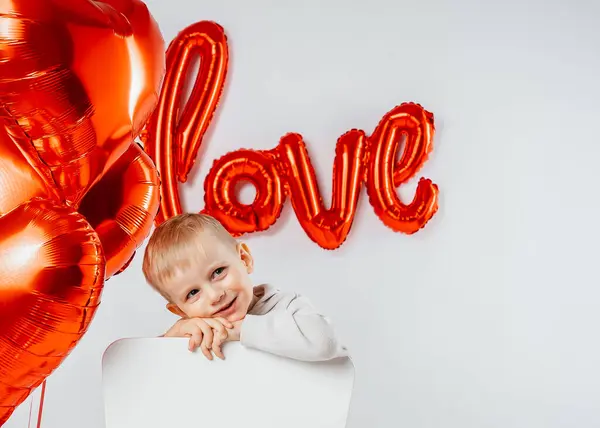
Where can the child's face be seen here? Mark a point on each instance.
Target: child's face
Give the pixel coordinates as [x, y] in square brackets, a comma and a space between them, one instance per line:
[216, 285]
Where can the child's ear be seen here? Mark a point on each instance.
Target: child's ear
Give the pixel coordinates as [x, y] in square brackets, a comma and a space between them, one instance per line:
[174, 309]
[246, 257]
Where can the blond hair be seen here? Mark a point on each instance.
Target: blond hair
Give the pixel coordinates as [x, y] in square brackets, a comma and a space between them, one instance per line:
[174, 243]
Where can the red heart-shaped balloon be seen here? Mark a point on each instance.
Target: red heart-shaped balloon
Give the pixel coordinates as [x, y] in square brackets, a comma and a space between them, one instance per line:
[77, 195]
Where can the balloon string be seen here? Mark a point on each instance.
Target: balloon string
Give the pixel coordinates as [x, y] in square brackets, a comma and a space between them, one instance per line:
[30, 411]
[39, 424]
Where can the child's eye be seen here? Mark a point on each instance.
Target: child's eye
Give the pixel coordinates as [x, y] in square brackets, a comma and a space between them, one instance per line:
[217, 272]
[193, 293]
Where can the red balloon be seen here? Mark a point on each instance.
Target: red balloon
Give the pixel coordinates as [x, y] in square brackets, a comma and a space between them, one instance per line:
[328, 227]
[359, 159]
[173, 137]
[414, 122]
[285, 170]
[122, 206]
[77, 196]
[52, 267]
[220, 196]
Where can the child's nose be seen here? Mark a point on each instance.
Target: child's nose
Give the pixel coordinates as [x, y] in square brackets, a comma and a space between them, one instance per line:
[216, 294]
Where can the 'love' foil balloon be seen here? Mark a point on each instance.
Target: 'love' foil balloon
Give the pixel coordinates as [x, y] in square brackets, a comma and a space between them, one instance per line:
[176, 131]
[78, 80]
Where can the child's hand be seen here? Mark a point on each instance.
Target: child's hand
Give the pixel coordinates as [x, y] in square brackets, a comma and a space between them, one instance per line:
[233, 332]
[202, 333]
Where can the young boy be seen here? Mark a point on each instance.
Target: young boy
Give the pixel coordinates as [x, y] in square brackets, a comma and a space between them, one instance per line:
[203, 273]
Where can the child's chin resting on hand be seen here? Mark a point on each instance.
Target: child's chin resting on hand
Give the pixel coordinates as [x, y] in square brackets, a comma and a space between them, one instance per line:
[204, 274]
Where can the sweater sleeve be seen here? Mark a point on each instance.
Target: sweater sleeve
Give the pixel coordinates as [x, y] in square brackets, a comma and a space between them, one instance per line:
[292, 328]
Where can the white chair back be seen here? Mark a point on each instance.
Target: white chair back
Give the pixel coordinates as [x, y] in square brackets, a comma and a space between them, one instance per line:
[158, 383]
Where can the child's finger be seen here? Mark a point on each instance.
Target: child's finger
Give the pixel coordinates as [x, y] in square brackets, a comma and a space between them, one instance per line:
[207, 338]
[217, 348]
[195, 340]
[218, 352]
[207, 334]
[206, 351]
[226, 323]
[217, 326]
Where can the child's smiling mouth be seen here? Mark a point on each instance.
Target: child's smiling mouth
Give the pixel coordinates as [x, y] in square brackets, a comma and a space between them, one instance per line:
[225, 310]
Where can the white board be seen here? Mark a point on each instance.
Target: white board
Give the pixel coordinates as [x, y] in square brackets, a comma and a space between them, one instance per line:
[158, 383]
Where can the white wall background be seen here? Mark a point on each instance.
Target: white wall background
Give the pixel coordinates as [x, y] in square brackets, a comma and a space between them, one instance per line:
[488, 317]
